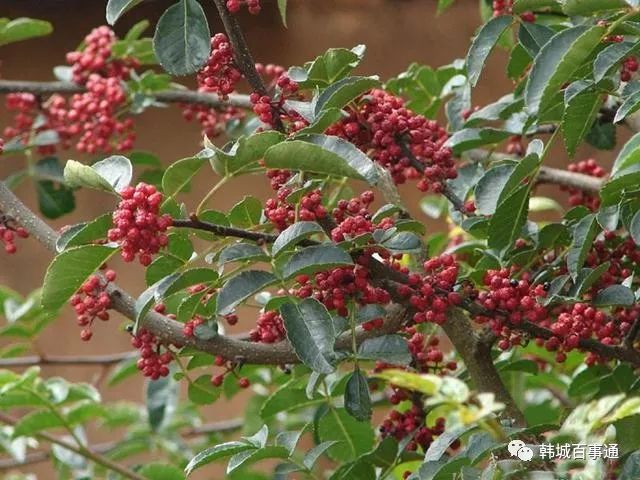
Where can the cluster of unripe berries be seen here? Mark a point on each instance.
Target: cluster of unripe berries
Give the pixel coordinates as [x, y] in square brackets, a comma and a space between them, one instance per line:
[432, 294]
[408, 145]
[153, 362]
[253, 6]
[579, 197]
[92, 301]
[505, 7]
[510, 301]
[9, 230]
[137, 224]
[96, 58]
[400, 425]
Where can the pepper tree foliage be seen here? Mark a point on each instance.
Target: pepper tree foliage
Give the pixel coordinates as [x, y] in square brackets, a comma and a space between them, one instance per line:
[353, 296]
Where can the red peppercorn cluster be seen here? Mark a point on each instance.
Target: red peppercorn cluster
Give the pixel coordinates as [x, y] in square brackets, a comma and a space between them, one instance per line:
[354, 219]
[432, 294]
[190, 326]
[282, 214]
[629, 67]
[386, 129]
[412, 422]
[271, 109]
[96, 58]
[92, 301]
[220, 74]
[582, 321]
[609, 38]
[253, 6]
[269, 328]
[213, 121]
[9, 230]
[94, 115]
[336, 287]
[514, 302]
[578, 197]
[427, 356]
[153, 362]
[137, 224]
[270, 73]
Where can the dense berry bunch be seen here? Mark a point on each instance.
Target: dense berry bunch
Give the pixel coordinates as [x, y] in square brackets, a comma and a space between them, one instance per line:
[213, 121]
[412, 422]
[269, 328]
[335, 288]
[354, 219]
[96, 58]
[253, 6]
[137, 225]
[220, 74]
[408, 145]
[153, 362]
[270, 73]
[92, 301]
[94, 115]
[578, 197]
[427, 356]
[282, 213]
[271, 109]
[431, 294]
[9, 230]
[513, 301]
[629, 67]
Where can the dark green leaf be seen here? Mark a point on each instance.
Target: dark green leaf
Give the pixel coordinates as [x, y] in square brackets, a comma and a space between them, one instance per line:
[614, 295]
[579, 114]
[246, 213]
[23, 29]
[534, 36]
[322, 154]
[482, 45]
[294, 234]
[354, 438]
[216, 452]
[69, 270]
[470, 138]
[403, 242]
[558, 59]
[440, 445]
[35, 422]
[244, 153]
[310, 331]
[252, 456]
[506, 224]
[182, 41]
[629, 155]
[117, 8]
[609, 59]
[202, 392]
[611, 192]
[54, 201]
[158, 471]
[590, 7]
[282, 8]
[602, 135]
[631, 468]
[241, 252]
[584, 234]
[241, 287]
[179, 174]
[357, 401]
[287, 399]
[316, 258]
[312, 456]
[110, 175]
[161, 399]
[82, 233]
[344, 91]
[387, 348]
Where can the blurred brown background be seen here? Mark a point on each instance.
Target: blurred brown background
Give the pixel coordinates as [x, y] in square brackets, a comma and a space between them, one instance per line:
[396, 32]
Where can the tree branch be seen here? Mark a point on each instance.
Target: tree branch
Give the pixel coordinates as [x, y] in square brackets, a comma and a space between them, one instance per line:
[168, 96]
[68, 360]
[551, 175]
[80, 450]
[224, 426]
[170, 331]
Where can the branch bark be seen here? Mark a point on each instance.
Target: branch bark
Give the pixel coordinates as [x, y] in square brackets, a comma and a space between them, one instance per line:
[168, 96]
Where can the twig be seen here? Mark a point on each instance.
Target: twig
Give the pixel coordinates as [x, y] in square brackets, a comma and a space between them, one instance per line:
[168, 96]
[69, 360]
[83, 451]
[221, 427]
